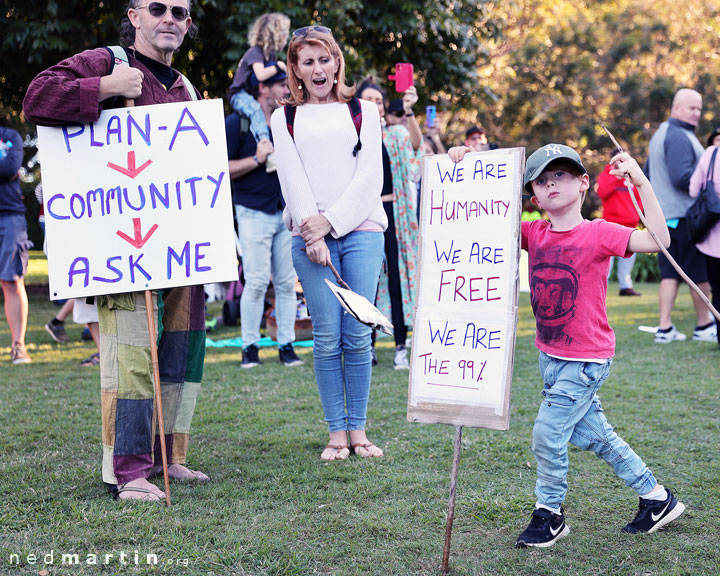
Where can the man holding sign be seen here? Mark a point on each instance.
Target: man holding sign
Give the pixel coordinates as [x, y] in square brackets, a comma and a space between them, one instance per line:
[77, 90]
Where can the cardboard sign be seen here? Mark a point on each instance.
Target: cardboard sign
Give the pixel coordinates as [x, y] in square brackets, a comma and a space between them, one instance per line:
[467, 300]
[139, 200]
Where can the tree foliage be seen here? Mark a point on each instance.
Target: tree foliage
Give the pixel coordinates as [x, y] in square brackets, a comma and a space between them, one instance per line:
[532, 71]
[442, 38]
[561, 68]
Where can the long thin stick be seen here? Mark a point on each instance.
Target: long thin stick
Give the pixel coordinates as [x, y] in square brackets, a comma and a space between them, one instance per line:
[129, 103]
[158, 394]
[451, 503]
[680, 271]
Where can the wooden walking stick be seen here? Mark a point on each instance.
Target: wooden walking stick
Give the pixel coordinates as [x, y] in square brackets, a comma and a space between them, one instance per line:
[156, 375]
[672, 261]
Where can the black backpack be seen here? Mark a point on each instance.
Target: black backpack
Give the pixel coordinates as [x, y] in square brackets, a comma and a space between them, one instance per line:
[355, 112]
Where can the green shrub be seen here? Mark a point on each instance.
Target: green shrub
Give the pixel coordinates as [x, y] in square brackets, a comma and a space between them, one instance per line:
[646, 268]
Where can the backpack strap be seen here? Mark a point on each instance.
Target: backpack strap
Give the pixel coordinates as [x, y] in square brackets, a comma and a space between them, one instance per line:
[356, 114]
[290, 120]
[711, 170]
[188, 86]
[119, 56]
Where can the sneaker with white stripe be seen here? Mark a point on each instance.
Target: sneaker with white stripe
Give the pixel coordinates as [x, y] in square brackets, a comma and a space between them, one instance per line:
[544, 529]
[654, 514]
[669, 335]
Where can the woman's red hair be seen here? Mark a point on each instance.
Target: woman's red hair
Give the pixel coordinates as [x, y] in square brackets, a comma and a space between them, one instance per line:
[298, 96]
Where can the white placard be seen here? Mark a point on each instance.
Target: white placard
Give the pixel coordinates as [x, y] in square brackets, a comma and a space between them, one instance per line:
[466, 316]
[139, 200]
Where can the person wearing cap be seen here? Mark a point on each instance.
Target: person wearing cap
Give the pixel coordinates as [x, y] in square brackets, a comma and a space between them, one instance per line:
[264, 239]
[476, 139]
[673, 155]
[568, 262]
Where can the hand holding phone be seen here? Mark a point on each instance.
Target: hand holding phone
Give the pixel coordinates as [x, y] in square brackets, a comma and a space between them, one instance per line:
[403, 76]
[430, 112]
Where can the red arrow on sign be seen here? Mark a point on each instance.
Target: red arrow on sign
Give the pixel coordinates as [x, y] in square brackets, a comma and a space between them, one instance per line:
[130, 170]
[138, 241]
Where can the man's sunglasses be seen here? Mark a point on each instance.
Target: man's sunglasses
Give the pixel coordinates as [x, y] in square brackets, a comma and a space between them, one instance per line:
[158, 9]
[302, 32]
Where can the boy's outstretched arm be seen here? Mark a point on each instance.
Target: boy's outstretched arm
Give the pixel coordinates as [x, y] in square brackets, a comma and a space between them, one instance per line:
[641, 240]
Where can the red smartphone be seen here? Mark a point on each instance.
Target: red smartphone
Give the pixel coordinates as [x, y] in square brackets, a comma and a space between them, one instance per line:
[403, 76]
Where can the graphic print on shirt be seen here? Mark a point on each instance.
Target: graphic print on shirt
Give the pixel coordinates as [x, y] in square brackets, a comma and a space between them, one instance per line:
[553, 290]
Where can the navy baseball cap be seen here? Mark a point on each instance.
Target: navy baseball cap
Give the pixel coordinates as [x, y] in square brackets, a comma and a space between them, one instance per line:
[538, 161]
[278, 77]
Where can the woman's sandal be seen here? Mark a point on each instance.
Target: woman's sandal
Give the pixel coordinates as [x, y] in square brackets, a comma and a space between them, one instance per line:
[341, 452]
[94, 360]
[371, 450]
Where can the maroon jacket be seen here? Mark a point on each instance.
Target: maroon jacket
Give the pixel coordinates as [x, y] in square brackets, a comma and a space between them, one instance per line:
[68, 91]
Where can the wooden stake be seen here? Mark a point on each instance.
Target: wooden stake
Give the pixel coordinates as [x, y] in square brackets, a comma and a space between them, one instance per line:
[158, 393]
[451, 503]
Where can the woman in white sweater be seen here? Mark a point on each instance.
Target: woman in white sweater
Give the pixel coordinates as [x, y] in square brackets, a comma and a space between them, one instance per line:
[331, 178]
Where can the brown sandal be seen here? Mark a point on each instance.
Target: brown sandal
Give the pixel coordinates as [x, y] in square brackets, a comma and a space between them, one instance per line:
[338, 451]
[94, 360]
[368, 446]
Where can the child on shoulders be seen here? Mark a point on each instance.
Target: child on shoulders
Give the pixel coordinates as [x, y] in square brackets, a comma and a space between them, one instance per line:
[268, 35]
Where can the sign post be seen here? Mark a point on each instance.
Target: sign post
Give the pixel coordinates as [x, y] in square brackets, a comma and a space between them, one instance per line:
[139, 201]
[467, 300]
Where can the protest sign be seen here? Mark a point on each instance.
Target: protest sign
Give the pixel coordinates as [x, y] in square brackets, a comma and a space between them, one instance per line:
[138, 200]
[466, 315]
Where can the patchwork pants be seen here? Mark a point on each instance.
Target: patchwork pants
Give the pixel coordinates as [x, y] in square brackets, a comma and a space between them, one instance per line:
[131, 444]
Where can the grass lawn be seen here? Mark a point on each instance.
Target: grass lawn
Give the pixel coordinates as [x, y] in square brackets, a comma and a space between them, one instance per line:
[273, 508]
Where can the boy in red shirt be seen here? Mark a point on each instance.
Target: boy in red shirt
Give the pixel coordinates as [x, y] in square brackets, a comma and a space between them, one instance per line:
[568, 281]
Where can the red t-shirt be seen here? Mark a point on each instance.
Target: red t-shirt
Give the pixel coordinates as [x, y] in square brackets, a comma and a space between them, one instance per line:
[568, 284]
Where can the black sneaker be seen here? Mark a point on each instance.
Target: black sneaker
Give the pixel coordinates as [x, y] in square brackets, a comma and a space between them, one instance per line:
[56, 329]
[288, 356]
[654, 514]
[545, 527]
[250, 357]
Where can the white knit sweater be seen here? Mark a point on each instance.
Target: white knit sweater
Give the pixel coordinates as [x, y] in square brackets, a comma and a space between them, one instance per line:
[318, 173]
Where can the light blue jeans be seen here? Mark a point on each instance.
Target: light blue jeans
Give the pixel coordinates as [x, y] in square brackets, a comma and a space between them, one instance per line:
[246, 104]
[624, 270]
[341, 346]
[571, 412]
[266, 250]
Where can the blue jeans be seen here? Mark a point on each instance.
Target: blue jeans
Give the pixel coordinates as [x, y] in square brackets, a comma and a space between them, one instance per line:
[265, 243]
[341, 344]
[246, 104]
[571, 412]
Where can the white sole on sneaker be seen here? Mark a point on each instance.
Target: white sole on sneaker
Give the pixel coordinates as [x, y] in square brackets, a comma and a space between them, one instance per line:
[674, 513]
[564, 532]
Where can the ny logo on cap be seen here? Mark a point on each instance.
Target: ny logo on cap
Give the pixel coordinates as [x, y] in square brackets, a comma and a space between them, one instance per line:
[553, 149]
